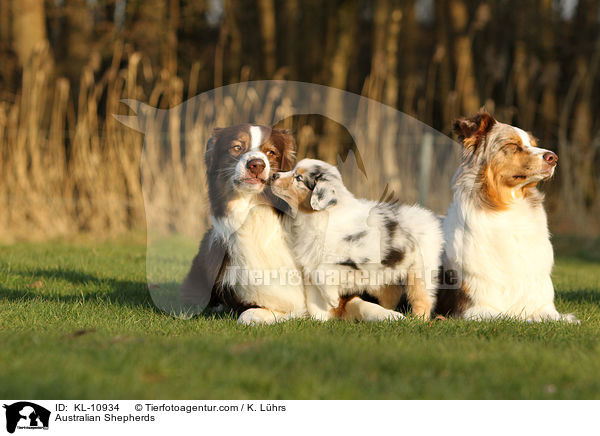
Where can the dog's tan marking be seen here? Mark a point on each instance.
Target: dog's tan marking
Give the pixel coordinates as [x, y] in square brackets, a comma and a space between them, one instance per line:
[389, 296]
[357, 309]
[340, 310]
[297, 196]
[500, 185]
[417, 295]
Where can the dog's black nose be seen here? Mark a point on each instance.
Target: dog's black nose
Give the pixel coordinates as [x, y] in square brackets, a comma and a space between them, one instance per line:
[256, 166]
[550, 158]
[275, 176]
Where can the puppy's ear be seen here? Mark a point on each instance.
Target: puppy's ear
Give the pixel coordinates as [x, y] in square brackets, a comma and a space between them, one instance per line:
[470, 131]
[287, 144]
[324, 194]
[210, 149]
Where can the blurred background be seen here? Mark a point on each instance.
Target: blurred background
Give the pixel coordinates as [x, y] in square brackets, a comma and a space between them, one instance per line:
[68, 167]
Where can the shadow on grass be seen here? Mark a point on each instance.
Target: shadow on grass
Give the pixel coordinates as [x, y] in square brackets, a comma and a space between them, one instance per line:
[575, 247]
[134, 294]
[124, 292]
[584, 296]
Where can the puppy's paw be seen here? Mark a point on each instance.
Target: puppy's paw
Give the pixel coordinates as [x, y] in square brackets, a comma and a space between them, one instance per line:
[392, 315]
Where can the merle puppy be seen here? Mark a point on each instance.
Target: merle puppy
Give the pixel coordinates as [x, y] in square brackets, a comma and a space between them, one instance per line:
[347, 245]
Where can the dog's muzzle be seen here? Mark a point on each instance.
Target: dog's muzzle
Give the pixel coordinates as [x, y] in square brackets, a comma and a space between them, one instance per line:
[256, 167]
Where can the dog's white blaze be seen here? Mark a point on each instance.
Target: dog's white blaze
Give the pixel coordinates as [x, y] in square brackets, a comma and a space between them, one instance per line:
[255, 137]
[524, 137]
[527, 142]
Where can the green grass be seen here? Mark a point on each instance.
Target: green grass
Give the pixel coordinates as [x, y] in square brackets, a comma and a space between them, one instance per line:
[76, 321]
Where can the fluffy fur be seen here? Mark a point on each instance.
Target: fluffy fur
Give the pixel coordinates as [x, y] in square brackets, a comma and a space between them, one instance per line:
[347, 245]
[496, 235]
[244, 261]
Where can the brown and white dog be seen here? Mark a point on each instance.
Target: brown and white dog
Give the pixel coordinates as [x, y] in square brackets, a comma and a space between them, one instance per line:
[496, 232]
[244, 261]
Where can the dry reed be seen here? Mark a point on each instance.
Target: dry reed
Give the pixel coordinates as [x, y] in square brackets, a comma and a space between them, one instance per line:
[68, 167]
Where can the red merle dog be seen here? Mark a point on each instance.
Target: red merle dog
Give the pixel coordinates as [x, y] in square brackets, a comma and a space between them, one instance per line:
[244, 261]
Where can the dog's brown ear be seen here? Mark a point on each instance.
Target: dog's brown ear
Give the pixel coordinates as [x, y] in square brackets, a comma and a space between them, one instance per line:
[210, 149]
[470, 131]
[287, 145]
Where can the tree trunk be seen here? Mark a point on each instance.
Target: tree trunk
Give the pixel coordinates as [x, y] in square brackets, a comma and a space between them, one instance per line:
[170, 45]
[79, 38]
[338, 78]
[390, 96]
[410, 38]
[551, 72]
[443, 54]
[291, 10]
[147, 26]
[235, 40]
[267, 31]
[9, 65]
[4, 23]
[389, 142]
[29, 27]
[466, 89]
[377, 73]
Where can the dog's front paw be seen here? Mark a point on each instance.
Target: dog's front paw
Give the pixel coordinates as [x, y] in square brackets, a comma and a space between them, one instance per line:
[256, 316]
[569, 317]
[332, 299]
[320, 315]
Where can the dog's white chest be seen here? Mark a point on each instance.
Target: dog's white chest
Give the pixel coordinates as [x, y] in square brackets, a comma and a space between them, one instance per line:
[261, 268]
[505, 258]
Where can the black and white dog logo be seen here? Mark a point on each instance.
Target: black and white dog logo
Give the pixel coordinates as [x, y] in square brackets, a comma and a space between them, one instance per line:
[26, 415]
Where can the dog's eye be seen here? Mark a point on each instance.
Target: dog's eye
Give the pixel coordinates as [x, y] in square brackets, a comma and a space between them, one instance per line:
[236, 147]
[271, 153]
[298, 177]
[514, 148]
